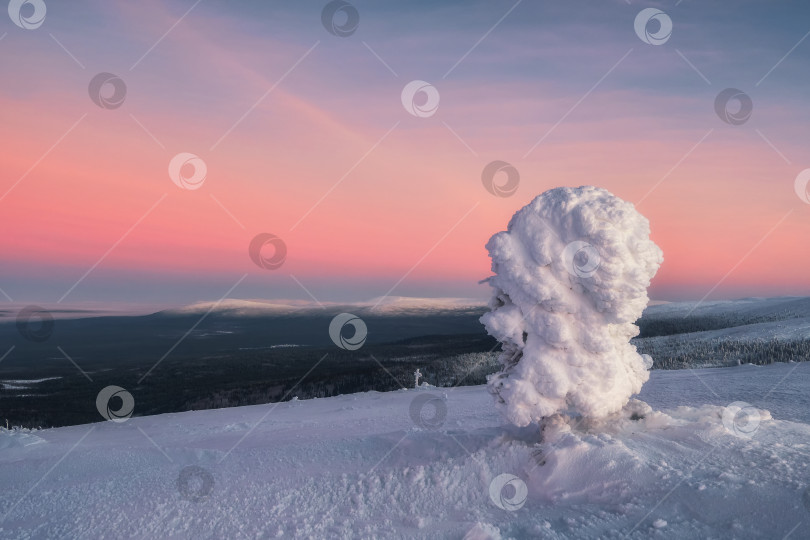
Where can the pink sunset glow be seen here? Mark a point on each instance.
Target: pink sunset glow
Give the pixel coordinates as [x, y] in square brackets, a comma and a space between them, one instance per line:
[310, 160]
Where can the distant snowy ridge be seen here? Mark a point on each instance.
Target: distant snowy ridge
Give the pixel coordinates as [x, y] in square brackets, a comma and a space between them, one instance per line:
[722, 333]
[389, 305]
[785, 317]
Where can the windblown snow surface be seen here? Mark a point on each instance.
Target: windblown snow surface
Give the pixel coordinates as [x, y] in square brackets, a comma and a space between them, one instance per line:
[421, 463]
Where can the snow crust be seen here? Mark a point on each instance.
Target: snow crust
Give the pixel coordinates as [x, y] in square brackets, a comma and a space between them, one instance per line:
[357, 466]
[570, 278]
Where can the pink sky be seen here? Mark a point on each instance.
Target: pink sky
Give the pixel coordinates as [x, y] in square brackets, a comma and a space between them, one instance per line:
[393, 208]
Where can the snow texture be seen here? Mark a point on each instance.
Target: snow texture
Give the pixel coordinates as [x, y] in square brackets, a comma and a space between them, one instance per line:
[357, 466]
[571, 277]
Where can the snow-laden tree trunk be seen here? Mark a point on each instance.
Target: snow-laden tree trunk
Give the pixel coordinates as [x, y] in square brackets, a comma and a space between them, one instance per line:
[570, 279]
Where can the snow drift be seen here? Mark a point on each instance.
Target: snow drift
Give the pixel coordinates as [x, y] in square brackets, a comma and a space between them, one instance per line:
[571, 277]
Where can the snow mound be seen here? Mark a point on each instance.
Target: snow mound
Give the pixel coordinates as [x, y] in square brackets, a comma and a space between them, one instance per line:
[585, 461]
[571, 277]
[18, 438]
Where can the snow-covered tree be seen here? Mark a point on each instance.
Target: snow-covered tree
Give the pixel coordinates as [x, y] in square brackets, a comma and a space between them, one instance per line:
[570, 279]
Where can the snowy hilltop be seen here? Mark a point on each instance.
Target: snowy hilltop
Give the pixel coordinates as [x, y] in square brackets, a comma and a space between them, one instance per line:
[429, 463]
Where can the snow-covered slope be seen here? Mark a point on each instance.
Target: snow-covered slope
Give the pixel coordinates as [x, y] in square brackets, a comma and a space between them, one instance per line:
[784, 317]
[779, 307]
[405, 465]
